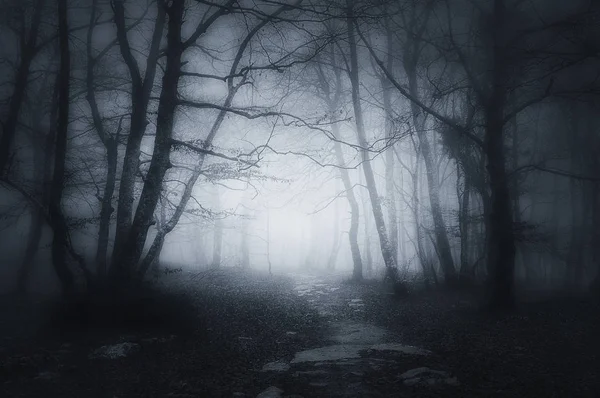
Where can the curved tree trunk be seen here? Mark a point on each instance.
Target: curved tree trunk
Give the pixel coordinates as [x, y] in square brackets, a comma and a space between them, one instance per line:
[332, 98]
[386, 248]
[441, 235]
[232, 89]
[141, 90]
[352, 202]
[130, 252]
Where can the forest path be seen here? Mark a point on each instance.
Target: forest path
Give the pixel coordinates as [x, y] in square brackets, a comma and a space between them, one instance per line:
[357, 357]
[234, 333]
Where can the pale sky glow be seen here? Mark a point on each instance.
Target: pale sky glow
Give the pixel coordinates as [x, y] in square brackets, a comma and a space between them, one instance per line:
[296, 235]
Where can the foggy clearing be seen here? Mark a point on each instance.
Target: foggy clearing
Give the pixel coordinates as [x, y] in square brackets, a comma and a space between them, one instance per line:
[299, 198]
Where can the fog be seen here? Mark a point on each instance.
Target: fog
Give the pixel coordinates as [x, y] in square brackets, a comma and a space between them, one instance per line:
[293, 198]
[440, 142]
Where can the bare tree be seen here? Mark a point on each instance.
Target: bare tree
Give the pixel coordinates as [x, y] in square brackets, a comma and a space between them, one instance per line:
[111, 145]
[141, 90]
[411, 56]
[28, 49]
[390, 186]
[332, 96]
[204, 149]
[335, 247]
[42, 173]
[386, 249]
[60, 240]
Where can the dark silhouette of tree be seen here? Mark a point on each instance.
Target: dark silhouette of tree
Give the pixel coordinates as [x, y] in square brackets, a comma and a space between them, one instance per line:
[386, 249]
[331, 92]
[28, 47]
[141, 90]
[60, 240]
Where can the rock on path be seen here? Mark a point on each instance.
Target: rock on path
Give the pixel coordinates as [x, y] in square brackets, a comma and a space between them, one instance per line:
[354, 348]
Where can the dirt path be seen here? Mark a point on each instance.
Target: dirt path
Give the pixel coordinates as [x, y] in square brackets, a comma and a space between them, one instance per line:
[247, 334]
[357, 358]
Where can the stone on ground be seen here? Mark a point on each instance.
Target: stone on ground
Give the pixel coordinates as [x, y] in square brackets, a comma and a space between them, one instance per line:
[271, 392]
[277, 366]
[328, 353]
[405, 349]
[427, 376]
[115, 351]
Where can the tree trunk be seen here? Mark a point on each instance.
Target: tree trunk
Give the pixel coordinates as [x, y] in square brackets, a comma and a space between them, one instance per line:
[246, 218]
[515, 188]
[207, 143]
[575, 264]
[352, 202]
[60, 239]
[354, 209]
[42, 170]
[217, 236]
[502, 250]
[368, 254]
[335, 249]
[386, 249]
[427, 263]
[151, 258]
[168, 226]
[594, 287]
[33, 241]
[268, 240]
[486, 203]
[333, 99]
[575, 255]
[106, 208]
[245, 248]
[111, 145]
[465, 271]
[131, 250]
[390, 188]
[140, 96]
[595, 216]
[441, 235]
[28, 52]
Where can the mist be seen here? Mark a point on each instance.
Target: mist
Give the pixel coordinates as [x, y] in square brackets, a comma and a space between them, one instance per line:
[277, 191]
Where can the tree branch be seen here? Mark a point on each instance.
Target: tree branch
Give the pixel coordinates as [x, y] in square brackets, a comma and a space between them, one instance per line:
[463, 130]
[177, 143]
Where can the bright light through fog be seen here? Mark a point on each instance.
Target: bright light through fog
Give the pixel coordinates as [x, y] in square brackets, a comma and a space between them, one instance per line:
[293, 225]
[288, 231]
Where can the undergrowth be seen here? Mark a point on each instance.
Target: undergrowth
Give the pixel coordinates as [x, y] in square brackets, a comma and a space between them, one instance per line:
[145, 308]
